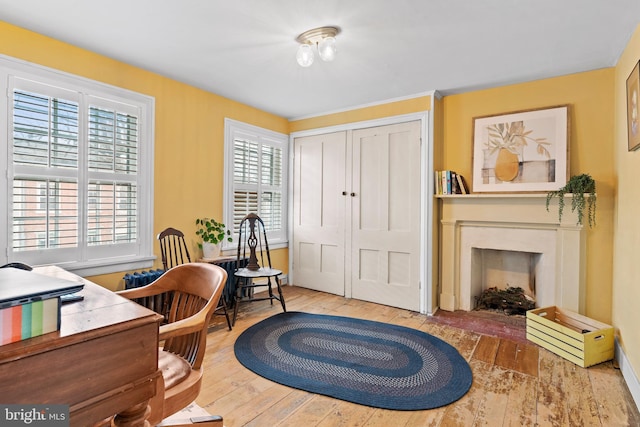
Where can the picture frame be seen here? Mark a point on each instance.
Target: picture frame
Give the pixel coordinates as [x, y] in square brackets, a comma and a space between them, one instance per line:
[633, 121]
[522, 151]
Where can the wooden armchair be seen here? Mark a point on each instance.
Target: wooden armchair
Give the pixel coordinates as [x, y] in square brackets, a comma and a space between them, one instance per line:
[193, 290]
[174, 251]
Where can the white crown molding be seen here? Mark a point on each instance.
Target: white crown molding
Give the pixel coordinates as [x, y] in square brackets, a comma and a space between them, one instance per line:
[371, 104]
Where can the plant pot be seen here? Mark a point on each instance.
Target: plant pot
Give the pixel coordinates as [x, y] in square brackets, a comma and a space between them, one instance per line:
[210, 250]
[507, 165]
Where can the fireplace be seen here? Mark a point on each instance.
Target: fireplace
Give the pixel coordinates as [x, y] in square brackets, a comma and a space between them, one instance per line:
[502, 269]
[528, 244]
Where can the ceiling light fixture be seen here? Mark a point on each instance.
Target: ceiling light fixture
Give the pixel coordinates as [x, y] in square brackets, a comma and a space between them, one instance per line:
[324, 38]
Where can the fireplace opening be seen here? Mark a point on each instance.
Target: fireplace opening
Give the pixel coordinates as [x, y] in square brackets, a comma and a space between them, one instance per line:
[504, 280]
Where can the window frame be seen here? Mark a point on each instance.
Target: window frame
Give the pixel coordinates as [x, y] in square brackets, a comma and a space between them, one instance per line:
[84, 260]
[277, 239]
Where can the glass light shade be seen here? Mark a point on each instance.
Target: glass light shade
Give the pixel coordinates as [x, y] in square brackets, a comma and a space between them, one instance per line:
[304, 55]
[327, 49]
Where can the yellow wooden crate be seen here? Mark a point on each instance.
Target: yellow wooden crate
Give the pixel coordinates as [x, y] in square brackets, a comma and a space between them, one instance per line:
[577, 338]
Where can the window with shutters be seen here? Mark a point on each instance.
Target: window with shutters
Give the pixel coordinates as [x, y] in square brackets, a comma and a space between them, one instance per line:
[78, 171]
[256, 178]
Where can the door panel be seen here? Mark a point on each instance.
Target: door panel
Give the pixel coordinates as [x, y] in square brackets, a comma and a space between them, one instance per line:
[385, 231]
[319, 212]
[365, 244]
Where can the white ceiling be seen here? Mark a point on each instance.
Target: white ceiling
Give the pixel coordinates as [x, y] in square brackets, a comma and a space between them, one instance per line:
[245, 49]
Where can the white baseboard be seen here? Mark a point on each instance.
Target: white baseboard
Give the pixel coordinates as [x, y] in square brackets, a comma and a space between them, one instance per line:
[628, 374]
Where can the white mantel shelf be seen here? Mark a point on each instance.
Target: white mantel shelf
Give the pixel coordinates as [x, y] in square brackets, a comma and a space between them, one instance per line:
[499, 196]
[510, 219]
[510, 207]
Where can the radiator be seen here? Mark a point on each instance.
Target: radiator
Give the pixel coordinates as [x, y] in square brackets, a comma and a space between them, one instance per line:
[158, 303]
[141, 278]
[230, 265]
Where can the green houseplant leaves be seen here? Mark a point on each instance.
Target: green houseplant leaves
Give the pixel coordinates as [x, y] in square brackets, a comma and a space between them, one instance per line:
[578, 186]
[212, 231]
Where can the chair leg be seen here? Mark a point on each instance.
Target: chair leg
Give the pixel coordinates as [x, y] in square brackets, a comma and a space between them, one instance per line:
[284, 308]
[226, 313]
[270, 290]
[236, 300]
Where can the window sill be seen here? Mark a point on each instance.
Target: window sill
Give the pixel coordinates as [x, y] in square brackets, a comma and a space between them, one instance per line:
[109, 266]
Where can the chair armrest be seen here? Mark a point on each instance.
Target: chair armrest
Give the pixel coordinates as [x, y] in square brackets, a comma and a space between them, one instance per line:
[149, 290]
[134, 293]
[185, 326]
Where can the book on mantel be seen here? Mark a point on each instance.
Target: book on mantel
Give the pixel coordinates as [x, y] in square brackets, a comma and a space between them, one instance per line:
[449, 182]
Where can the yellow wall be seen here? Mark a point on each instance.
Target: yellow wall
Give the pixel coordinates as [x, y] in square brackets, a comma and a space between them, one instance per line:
[626, 271]
[591, 99]
[189, 132]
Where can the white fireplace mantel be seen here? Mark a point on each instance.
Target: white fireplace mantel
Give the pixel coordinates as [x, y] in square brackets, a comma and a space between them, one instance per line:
[511, 222]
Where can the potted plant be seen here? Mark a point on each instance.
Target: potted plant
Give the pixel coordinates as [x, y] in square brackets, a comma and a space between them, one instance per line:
[578, 186]
[212, 233]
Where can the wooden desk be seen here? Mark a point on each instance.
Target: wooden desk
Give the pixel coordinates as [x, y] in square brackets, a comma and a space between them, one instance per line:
[103, 361]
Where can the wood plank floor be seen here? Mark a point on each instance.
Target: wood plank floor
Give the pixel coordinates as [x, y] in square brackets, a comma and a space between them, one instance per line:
[516, 383]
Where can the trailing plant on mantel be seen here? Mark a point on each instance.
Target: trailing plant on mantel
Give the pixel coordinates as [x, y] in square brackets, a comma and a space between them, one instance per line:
[578, 186]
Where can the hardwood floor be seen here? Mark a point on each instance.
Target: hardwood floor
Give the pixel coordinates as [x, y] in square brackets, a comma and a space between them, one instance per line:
[516, 383]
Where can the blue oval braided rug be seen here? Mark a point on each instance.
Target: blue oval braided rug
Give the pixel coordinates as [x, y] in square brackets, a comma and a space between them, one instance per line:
[360, 361]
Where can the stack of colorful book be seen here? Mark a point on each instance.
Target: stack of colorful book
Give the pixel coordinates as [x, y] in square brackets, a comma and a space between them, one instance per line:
[30, 303]
[29, 320]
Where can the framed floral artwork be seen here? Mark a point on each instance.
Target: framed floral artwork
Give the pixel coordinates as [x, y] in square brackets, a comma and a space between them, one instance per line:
[524, 151]
[633, 87]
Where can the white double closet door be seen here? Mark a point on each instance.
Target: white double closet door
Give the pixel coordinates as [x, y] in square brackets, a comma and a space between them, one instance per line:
[356, 214]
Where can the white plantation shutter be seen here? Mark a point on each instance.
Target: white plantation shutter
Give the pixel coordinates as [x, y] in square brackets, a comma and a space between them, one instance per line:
[45, 164]
[256, 178]
[45, 130]
[244, 202]
[271, 209]
[113, 141]
[113, 154]
[45, 214]
[111, 213]
[78, 172]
